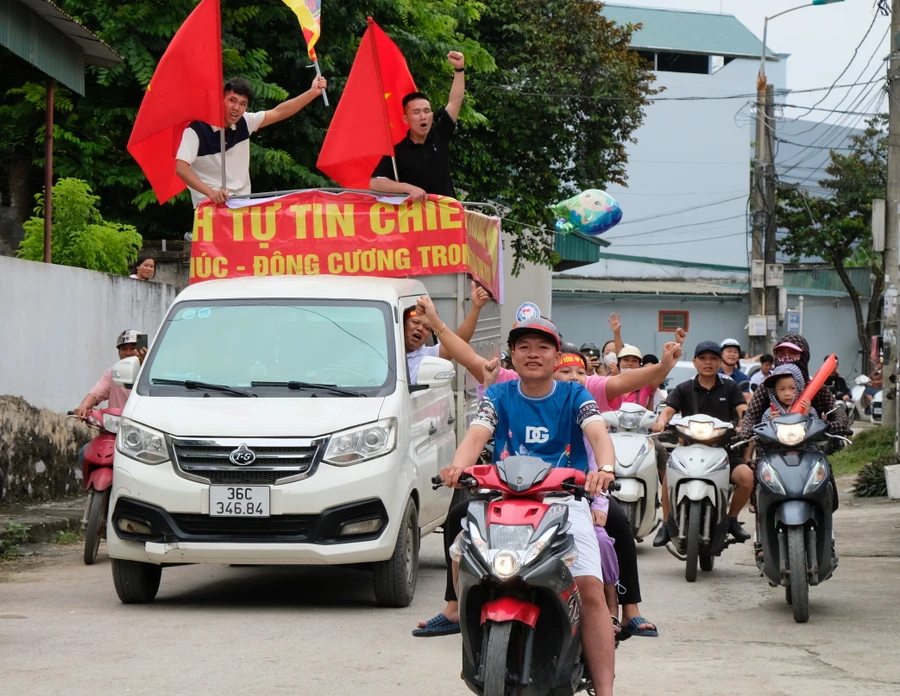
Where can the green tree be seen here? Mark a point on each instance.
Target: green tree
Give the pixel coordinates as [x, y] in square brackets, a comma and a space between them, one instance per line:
[836, 227]
[80, 235]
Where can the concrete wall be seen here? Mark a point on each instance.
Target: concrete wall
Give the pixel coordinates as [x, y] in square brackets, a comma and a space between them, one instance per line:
[691, 166]
[59, 327]
[828, 328]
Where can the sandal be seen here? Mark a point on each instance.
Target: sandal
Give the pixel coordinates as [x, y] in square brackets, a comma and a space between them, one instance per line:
[617, 627]
[439, 625]
[631, 628]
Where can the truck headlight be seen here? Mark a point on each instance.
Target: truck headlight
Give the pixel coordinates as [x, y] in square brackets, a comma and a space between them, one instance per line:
[139, 442]
[363, 443]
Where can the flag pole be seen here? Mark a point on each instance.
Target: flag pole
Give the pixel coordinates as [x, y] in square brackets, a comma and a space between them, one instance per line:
[319, 74]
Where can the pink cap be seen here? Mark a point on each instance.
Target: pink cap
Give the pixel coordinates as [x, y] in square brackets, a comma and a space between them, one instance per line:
[791, 346]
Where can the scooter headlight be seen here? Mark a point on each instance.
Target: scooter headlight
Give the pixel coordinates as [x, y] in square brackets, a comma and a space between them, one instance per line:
[768, 476]
[629, 421]
[816, 477]
[700, 430]
[479, 543]
[537, 547]
[111, 422]
[505, 564]
[792, 434]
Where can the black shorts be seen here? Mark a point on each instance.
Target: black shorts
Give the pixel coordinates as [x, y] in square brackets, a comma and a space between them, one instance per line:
[735, 459]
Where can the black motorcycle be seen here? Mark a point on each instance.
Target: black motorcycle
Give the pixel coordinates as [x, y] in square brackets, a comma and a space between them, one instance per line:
[794, 507]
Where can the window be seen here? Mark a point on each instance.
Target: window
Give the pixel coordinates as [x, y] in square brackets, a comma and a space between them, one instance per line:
[238, 343]
[669, 320]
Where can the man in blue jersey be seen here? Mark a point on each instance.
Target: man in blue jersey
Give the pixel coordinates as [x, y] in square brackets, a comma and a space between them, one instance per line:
[540, 417]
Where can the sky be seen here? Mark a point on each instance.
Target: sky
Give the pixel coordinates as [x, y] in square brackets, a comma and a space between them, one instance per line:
[820, 40]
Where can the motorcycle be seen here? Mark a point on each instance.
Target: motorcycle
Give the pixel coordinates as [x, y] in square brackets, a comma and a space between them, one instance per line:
[859, 389]
[635, 467]
[519, 605]
[794, 507]
[698, 477]
[97, 472]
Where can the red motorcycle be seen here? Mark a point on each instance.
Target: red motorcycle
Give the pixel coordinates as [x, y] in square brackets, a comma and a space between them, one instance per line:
[97, 471]
[519, 605]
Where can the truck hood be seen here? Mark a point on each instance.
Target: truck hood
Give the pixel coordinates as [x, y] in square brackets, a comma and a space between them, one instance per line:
[236, 417]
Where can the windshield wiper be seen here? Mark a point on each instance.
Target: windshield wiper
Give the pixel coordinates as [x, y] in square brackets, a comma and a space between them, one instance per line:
[192, 384]
[297, 386]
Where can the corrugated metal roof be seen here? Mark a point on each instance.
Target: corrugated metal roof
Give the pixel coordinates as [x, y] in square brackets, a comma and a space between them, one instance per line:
[644, 286]
[826, 281]
[578, 249]
[681, 31]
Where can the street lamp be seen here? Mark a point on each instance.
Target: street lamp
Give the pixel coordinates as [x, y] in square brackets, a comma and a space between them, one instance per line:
[761, 80]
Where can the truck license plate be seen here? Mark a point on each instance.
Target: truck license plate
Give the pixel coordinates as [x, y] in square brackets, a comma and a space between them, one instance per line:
[238, 501]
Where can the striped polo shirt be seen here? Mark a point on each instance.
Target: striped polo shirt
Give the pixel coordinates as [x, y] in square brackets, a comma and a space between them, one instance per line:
[201, 148]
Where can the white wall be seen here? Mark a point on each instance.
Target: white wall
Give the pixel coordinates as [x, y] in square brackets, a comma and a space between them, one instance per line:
[690, 154]
[58, 327]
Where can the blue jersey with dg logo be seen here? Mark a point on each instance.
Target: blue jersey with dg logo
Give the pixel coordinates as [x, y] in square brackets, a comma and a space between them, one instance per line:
[549, 427]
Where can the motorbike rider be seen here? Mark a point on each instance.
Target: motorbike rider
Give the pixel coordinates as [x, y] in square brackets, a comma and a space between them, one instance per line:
[606, 391]
[766, 361]
[631, 358]
[731, 365]
[794, 349]
[548, 419]
[875, 385]
[837, 384]
[105, 389]
[416, 331]
[708, 393]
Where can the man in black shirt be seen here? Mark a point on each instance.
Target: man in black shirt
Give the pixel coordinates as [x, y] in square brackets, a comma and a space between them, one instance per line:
[711, 395]
[423, 156]
[837, 384]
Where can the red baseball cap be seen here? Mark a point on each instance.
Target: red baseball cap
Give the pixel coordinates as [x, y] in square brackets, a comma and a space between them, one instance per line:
[537, 326]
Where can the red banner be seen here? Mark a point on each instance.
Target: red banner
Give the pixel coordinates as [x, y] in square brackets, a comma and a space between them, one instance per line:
[347, 233]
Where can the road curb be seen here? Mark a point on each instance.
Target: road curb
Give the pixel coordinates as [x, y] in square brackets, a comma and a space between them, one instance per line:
[43, 520]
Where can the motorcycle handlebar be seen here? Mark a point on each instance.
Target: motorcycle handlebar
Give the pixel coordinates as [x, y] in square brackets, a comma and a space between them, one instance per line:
[469, 481]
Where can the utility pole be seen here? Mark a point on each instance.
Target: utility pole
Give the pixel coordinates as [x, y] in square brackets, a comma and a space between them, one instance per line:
[763, 239]
[771, 224]
[892, 225]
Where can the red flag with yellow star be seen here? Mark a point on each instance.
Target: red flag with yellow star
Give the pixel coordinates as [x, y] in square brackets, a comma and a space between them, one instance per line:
[368, 121]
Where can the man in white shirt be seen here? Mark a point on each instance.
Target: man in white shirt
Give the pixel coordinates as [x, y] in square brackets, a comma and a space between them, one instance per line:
[416, 332]
[199, 158]
[765, 369]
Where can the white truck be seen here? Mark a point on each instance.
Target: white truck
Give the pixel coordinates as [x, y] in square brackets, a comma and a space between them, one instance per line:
[273, 422]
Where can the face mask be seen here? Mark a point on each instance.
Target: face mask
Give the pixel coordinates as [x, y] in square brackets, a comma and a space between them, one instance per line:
[784, 360]
[610, 358]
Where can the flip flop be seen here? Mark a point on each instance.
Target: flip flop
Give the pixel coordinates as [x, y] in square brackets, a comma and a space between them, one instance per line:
[631, 628]
[439, 625]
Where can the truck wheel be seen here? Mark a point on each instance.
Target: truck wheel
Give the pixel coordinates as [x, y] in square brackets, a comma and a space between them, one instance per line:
[136, 582]
[693, 540]
[799, 567]
[395, 578]
[96, 525]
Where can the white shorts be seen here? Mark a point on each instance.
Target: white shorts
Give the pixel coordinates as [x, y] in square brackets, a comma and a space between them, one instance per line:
[582, 528]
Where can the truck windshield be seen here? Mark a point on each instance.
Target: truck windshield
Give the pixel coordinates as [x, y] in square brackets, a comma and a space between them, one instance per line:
[259, 345]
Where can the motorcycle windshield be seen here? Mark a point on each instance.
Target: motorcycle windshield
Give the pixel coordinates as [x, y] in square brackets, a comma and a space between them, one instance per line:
[521, 473]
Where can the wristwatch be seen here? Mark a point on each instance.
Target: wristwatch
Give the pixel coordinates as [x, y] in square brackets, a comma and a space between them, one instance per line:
[459, 69]
[608, 469]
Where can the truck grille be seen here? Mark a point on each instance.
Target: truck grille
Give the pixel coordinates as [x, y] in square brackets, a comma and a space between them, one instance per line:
[276, 459]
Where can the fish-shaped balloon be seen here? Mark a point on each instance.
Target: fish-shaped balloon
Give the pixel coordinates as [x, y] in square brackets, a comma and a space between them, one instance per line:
[591, 212]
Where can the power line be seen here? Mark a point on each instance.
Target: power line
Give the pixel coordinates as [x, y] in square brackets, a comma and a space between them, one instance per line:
[567, 95]
[682, 241]
[679, 227]
[682, 210]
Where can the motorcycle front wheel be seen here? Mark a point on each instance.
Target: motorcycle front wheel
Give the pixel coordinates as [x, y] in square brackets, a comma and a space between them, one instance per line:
[96, 525]
[501, 659]
[799, 567]
[692, 542]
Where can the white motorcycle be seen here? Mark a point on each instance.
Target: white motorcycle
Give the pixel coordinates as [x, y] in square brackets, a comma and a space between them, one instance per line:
[635, 467]
[857, 393]
[698, 477]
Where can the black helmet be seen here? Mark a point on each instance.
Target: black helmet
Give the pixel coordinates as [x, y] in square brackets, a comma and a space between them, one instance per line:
[589, 346]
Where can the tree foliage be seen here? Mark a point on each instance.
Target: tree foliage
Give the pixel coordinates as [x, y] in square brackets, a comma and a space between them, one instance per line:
[553, 97]
[80, 235]
[837, 227]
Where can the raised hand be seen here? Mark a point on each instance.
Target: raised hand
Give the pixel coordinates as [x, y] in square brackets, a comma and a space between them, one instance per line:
[456, 59]
[479, 296]
[615, 322]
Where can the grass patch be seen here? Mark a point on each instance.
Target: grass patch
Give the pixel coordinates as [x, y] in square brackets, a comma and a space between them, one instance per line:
[12, 538]
[866, 447]
[65, 538]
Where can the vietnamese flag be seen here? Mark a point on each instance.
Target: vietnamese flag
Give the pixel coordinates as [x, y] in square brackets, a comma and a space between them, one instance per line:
[186, 86]
[368, 120]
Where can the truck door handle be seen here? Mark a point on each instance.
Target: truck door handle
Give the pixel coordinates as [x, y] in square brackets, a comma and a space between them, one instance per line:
[432, 428]
[451, 420]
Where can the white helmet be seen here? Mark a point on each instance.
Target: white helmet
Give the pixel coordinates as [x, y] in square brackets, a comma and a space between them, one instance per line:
[731, 343]
[126, 337]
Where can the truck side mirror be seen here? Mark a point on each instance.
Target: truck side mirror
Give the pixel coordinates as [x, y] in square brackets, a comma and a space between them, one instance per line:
[435, 372]
[125, 372]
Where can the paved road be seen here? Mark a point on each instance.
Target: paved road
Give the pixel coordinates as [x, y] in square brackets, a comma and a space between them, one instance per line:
[248, 631]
